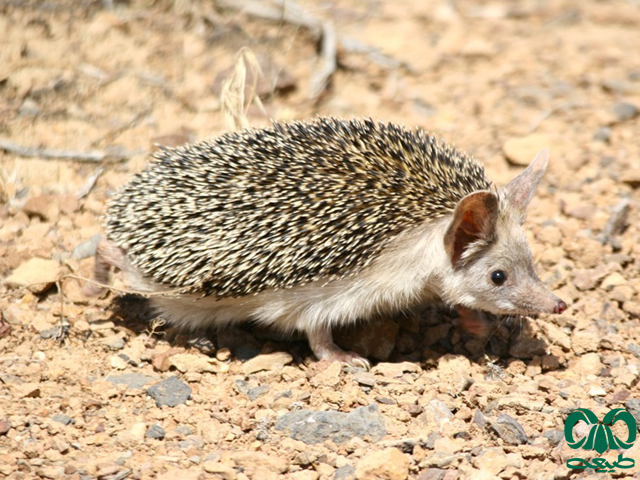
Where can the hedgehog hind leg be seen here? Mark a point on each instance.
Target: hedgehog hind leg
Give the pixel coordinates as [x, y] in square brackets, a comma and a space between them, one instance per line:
[323, 346]
[107, 256]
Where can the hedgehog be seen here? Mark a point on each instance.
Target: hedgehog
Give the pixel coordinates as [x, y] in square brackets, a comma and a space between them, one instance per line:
[305, 226]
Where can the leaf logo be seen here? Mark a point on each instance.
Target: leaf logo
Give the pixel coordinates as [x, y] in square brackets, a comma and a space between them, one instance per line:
[600, 437]
[621, 414]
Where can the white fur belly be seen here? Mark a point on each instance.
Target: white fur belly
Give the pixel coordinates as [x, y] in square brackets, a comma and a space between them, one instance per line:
[308, 307]
[399, 278]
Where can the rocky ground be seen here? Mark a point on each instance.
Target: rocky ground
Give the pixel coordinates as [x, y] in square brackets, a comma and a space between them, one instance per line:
[89, 388]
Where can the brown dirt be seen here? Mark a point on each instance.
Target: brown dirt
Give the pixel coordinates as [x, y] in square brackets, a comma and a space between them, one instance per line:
[496, 78]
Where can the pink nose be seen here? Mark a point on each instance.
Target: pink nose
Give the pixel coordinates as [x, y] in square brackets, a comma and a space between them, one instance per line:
[560, 307]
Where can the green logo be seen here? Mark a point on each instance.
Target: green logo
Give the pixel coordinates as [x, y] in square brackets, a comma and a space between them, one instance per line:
[600, 438]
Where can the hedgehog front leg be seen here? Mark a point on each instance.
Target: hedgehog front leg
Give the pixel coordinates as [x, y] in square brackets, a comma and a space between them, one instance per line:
[322, 345]
[473, 322]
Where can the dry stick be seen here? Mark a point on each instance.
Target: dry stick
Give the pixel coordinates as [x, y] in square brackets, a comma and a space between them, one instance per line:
[290, 12]
[91, 181]
[22, 359]
[329, 56]
[110, 136]
[63, 326]
[552, 111]
[90, 156]
[163, 293]
[374, 53]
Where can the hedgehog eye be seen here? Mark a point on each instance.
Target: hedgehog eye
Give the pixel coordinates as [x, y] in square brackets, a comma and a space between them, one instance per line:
[498, 277]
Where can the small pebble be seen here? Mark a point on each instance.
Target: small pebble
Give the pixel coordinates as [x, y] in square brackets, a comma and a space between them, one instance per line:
[633, 406]
[54, 332]
[521, 150]
[554, 436]
[62, 418]
[603, 134]
[625, 111]
[432, 438]
[36, 274]
[317, 427]
[87, 248]
[223, 354]
[432, 474]
[184, 430]
[256, 392]
[192, 441]
[156, 432]
[390, 464]
[118, 362]
[634, 348]
[242, 386]
[29, 108]
[345, 472]
[132, 380]
[114, 342]
[509, 430]
[170, 392]
[5, 426]
[271, 361]
[367, 379]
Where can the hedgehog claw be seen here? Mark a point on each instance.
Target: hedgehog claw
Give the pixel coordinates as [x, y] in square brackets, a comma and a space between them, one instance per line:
[350, 359]
[358, 361]
[321, 343]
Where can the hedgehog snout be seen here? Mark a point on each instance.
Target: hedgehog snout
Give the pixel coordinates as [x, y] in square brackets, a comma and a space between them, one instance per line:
[560, 307]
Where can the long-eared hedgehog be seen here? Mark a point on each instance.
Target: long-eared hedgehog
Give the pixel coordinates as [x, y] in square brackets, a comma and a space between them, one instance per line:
[305, 226]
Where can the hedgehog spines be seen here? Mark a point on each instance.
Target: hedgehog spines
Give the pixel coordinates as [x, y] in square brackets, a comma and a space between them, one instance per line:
[286, 205]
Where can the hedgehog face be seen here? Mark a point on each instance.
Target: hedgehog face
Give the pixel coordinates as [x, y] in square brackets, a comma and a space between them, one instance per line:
[492, 266]
[500, 278]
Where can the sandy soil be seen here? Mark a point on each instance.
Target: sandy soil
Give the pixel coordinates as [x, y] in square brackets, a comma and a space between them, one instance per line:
[499, 79]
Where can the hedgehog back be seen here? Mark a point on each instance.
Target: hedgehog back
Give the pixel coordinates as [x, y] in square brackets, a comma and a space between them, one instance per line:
[284, 206]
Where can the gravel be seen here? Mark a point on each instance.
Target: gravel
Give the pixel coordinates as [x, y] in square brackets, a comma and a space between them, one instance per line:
[170, 392]
[315, 427]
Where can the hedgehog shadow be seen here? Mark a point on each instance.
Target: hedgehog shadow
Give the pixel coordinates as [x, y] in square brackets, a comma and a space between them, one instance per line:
[245, 341]
[435, 332]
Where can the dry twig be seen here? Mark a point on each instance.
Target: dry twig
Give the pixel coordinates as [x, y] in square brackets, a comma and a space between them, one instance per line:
[90, 156]
[111, 135]
[91, 181]
[164, 293]
[329, 58]
[292, 13]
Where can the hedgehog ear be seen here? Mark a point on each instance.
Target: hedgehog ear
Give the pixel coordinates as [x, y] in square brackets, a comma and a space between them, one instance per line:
[473, 226]
[521, 189]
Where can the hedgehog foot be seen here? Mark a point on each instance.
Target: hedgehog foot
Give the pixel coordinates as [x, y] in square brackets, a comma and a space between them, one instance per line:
[473, 322]
[351, 359]
[321, 342]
